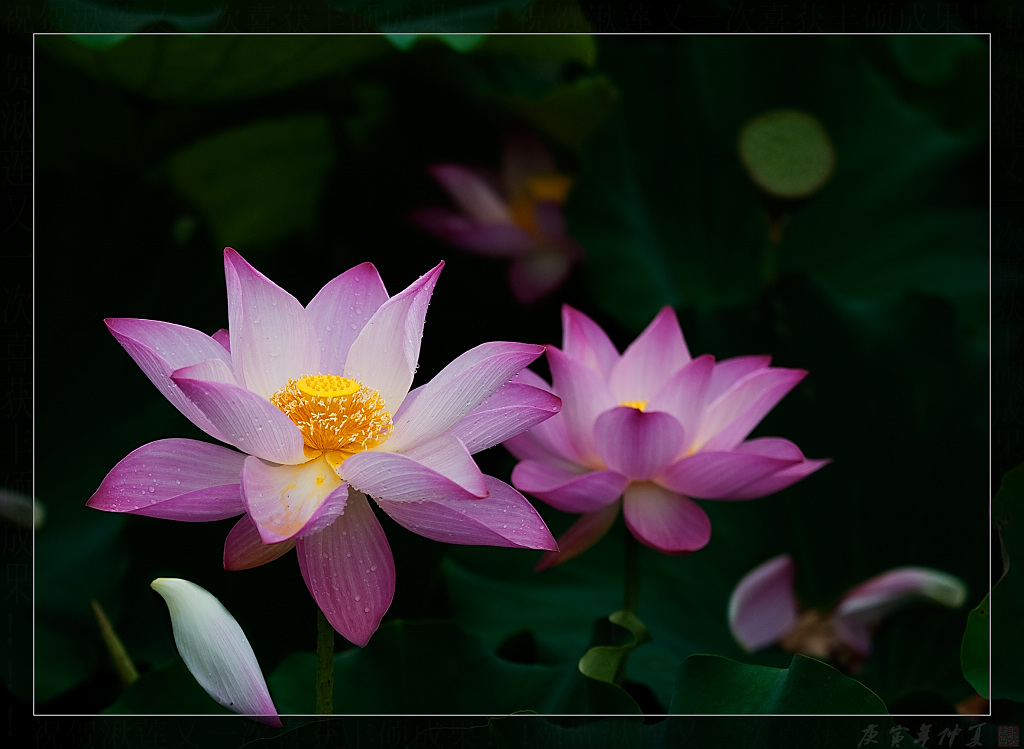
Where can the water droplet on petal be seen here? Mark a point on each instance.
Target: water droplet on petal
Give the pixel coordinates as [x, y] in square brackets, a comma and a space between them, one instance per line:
[358, 597]
[152, 489]
[366, 609]
[353, 326]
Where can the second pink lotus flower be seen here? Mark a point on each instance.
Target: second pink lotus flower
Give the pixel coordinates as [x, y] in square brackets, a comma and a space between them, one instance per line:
[654, 428]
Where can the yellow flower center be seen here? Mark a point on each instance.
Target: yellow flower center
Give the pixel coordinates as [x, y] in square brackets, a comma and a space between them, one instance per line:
[545, 187]
[335, 414]
[638, 405]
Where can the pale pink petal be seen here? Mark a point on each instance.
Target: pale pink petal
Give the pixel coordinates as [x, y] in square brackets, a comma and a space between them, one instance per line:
[473, 193]
[272, 338]
[224, 339]
[176, 479]
[582, 534]
[548, 438]
[503, 518]
[244, 419]
[863, 607]
[568, 487]
[399, 478]
[538, 273]
[584, 340]
[512, 409]
[446, 455]
[497, 240]
[585, 396]
[732, 416]
[159, 348]
[457, 389]
[647, 363]
[385, 353]
[665, 520]
[636, 444]
[683, 395]
[349, 570]
[291, 501]
[341, 309]
[778, 448]
[763, 606]
[729, 371]
[244, 549]
[712, 474]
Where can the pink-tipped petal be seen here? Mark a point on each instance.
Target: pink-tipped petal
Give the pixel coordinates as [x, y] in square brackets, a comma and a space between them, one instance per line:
[639, 445]
[665, 520]
[272, 338]
[244, 549]
[473, 192]
[457, 389]
[729, 371]
[536, 274]
[402, 478]
[385, 353]
[287, 501]
[224, 339]
[711, 474]
[446, 455]
[504, 518]
[763, 606]
[549, 438]
[176, 479]
[159, 348]
[582, 534]
[647, 363]
[216, 650]
[341, 309]
[684, 394]
[775, 447]
[585, 396]
[568, 487]
[864, 606]
[496, 240]
[349, 570]
[244, 419]
[512, 409]
[584, 340]
[732, 416]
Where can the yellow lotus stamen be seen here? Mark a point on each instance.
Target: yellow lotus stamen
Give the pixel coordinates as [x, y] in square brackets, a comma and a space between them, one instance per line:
[638, 405]
[335, 413]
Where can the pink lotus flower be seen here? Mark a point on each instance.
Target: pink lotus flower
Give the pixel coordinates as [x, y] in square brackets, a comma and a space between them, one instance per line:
[317, 400]
[518, 216]
[656, 428]
[763, 610]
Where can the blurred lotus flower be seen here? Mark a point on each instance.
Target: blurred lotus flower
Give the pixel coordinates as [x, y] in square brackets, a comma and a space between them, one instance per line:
[21, 509]
[656, 428]
[763, 610]
[317, 399]
[517, 215]
[215, 650]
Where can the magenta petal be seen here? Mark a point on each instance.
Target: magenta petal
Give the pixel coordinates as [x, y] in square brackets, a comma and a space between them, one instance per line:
[449, 457]
[244, 419]
[498, 240]
[582, 534]
[729, 371]
[400, 478]
[244, 549]
[341, 309]
[457, 389]
[567, 487]
[175, 479]
[473, 192]
[585, 396]
[863, 607]
[272, 338]
[349, 570]
[778, 448]
[665, 520]
[763, 606]
[512, 409]
[384, 354]
[657, 353]
[684, 394]
[732, 416]
[503, 518]
[584, 340]
[159, 348]
[636, 444]
[287, 501]
[711, 474]
[224, 339]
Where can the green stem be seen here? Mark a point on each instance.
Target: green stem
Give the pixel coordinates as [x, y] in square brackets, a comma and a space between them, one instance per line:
[631, 583]
[324, 665]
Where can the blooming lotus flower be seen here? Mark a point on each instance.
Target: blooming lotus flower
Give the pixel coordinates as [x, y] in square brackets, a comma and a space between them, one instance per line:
[763, 610]
[517, 215]
[316, 402]
[215, 650]
[653, 427]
